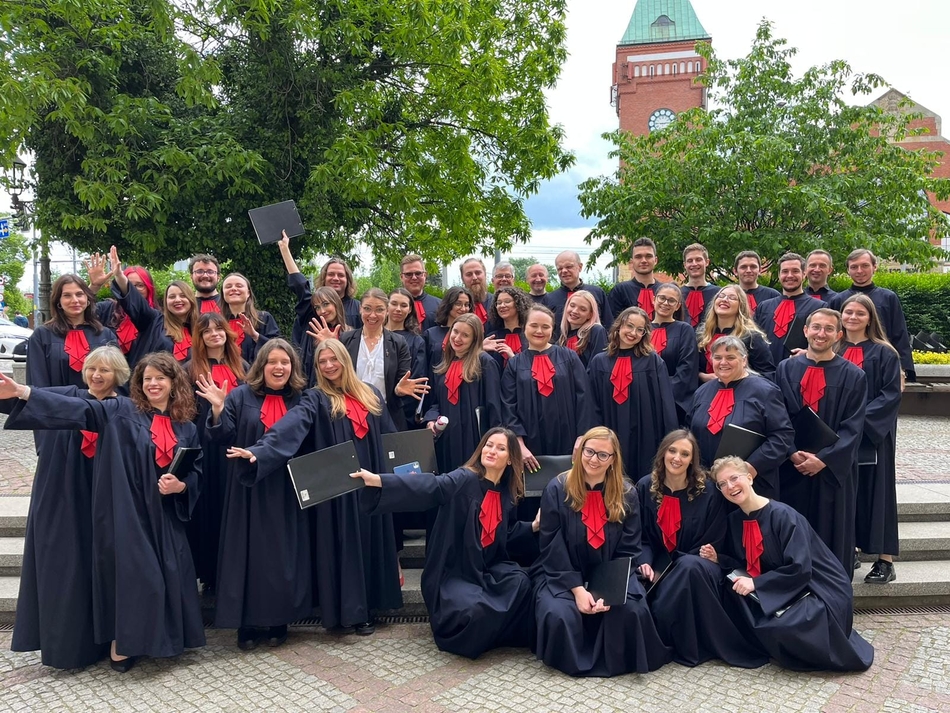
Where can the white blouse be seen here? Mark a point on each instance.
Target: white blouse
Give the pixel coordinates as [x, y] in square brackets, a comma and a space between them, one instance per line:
[369, 366]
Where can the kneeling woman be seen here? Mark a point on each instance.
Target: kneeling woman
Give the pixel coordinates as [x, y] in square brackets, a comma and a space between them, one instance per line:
[477, 598]
[590, 515]
[793, 597]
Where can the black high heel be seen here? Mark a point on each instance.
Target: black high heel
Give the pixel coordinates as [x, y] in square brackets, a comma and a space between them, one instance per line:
[123, 666]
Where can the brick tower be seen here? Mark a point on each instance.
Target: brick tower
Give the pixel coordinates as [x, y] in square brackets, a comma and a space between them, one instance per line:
[656, 65]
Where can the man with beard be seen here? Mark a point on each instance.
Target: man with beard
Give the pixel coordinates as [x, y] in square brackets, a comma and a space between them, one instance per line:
[641, 290]
[537, 277]
[818, 267]
[698, 293]
[473, 276]
[783, 318]
[204, 270]
[412, 273]
[747, 267]
[569, 268]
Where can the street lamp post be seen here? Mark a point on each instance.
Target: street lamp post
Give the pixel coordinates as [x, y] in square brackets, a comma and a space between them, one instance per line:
[23, 213]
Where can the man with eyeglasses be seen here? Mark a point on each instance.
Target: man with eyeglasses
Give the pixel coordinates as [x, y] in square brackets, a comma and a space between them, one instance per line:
[204, 270]
[640, 290]
[412, 273]
[503, 275]
[569, 267]
[747, 267]
[783, 318]
[822, 486]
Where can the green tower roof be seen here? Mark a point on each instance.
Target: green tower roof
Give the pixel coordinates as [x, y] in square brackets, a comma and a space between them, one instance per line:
[663, 21]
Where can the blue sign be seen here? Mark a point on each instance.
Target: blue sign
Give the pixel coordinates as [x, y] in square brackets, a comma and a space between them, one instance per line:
[4, 228]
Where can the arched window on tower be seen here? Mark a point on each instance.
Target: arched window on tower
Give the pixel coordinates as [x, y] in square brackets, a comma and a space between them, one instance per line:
[689, 67]
[652, 70]
[682, 67]
[636, 71]
[666, 68]
[662, 28]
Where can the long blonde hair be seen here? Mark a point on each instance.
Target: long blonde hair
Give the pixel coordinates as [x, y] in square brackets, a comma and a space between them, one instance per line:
[471, 362]
[744, 326]
[350, 384]
[615, 485]
[583, 332]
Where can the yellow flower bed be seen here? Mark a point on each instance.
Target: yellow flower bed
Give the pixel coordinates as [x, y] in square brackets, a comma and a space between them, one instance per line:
[931, 358]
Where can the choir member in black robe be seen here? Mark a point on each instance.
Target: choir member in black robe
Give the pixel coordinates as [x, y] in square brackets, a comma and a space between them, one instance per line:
[214, 352]
[264, 555]
[823, 485]
[355, 569]
[144, 597]
[569, 267]
[780, 558]
[590, 515]
[252, 327]
[747, 267]
[477, 598]
[205, 272]
[54, 604]
[631, 389]
[537, 278]
[504, 330]
[749, 401]
[759, 294]
[466, 389]
[777, 316]
[640, 290]
[456, 302]
[730, 315]
[337, 275]
[867, 348]
[818, 268]
[473, 277]
[412, 273]
[682, 511]
[580, 328]
[402, 320]
[675, 342]
[861, 265]
[179, 314]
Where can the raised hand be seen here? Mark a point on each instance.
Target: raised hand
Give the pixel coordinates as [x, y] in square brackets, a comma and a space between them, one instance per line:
[120, 279]
[212, 393]
[248, 327]
[416, 388]
[96, 270]
[320, 330]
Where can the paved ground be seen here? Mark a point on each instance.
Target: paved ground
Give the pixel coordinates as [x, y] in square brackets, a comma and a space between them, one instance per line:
[400, 669]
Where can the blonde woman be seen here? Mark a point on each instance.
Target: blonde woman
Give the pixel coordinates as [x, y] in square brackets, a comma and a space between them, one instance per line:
[730, 315]
[580, 327]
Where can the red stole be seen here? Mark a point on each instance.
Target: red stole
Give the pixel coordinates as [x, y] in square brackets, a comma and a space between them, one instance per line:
[453, 381]
[694, 305]
[646, 301]
[184, 346]
[783, 317]
[721, 407]
[594, 516]
[272, 410]
[480, 312]
[77, 348]
[221, 373]
[659, 334]
[621, 377]
[571, 343]
[815, 296]
[126, 332]
[357, 413]
[238, 330]
[490, 516]
[209, 305]
[669, 517]
[88, 446]
[542, 370]
[752, 543]
[513, 341]
[750, 298]
[164, 438]
[420, 310]
[855, 355]
[813, 387]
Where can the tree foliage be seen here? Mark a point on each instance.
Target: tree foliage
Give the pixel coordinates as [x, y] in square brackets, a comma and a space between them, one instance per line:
[782, 163]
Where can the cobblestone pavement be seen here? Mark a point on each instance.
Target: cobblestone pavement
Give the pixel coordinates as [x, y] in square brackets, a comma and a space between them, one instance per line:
[400, 669]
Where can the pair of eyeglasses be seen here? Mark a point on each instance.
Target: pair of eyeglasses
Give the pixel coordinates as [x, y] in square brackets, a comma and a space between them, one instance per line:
[639, 331]
[602, 456]
[204, 272]
[666, 300]
[413, 275]
[727, 296]
[731, 480]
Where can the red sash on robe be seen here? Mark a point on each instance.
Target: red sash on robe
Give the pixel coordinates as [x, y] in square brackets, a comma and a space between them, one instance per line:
[357, 413]
[238, 330]
[721, 407]
[513, 341]
[542, 370]
[694, 305]
[594, 516]
[571, 343]
[127, 333]
[453, 381]
[88, 446]
[855, 355]
[750, 298]
[813, 387]
[480, 312]
[815, 297]
[272, 410]
[752, 543]
[669, 517]
[621, 377]
[183, 347]
[783, 317]
[210, 306]
[490, 516]
[659, 335]
[164, 438]
[77, 348]
[420, 311]
[221, 373]
[646, 301]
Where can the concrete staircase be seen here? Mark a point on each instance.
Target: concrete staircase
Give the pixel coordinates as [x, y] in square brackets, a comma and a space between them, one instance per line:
[923, 568]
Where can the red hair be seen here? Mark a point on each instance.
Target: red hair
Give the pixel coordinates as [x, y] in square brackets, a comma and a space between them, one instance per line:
[147, 279]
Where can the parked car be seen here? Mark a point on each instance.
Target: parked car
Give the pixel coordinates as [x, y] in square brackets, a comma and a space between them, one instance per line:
[10, 336]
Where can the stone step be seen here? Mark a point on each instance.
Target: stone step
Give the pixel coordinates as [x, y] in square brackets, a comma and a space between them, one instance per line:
[923, 502]
[11, 556]
[921, 583]
[13, 511]
[9, 588]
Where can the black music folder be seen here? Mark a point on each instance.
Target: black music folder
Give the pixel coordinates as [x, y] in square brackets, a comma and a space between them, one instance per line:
[270, 220]
[551, 467]
[409, 452]
[325, 474]
[738, 441]
[661, 567]
[183, 461]
[609, 581]
[795, 336]
[811, 433]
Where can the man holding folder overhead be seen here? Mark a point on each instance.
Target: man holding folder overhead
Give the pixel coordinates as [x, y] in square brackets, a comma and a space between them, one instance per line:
[820, 477]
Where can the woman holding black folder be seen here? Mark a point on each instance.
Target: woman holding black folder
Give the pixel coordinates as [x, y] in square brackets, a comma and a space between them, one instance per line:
[785, 589]
[590, 516]
[478, 599]
[682, 512]
[741, 398]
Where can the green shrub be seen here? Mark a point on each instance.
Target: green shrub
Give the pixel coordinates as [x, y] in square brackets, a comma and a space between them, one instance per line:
[931, 358]
[925, 298]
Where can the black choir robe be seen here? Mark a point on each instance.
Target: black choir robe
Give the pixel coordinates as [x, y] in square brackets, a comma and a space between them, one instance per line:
[765, 318]
[143, 581]
[481, 309]
[678, 342]
[351, 308]
[827, 499]
[49, 365]
[549, 425]
[264, 555]
[148, 323]
[758, 407]
[208, 304]
[266, 329]
[557, 299]
[54, 604]
[167, 344]
[891, 313]
[494, 330]
[627, 294]
[354, 569]
[695, 315]
[621, 640]
[457, 442]
[420, 369]
[430, 305]
[760, 354]
[434, 339]
[824, 294]
[687, 605]
[648, 414]
[815, 634]
[758, 295]
[396, 362]
[596, 343]
[478, 599]
[304, 312]
[876, 514]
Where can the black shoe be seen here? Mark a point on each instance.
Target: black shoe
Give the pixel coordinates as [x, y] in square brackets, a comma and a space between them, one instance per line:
[341, 630]
[857, 562]
[123, 666]
[881, 572]
[276, 635]
[247, 638]
[367, 629]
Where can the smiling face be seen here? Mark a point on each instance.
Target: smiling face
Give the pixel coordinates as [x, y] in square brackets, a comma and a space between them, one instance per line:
[495, 454]
[726, 303]
[595, 469]
[822, 334]
[695, 264]
[73, 302]
[100, 378]
[214, 337]
[413, 276]
[277, 370]
[643, 261]
[398, 310]
[157, 387]
[505, 306]
[235, 290]
[461, 338]
[677, 458]
[861, 270]
[791, 276]
[632, 331]
[728, 364]
[373, 313]
[537, 279]
[568, 269]
[666, 303]
[177, 302]
[138, 283]
[463, 305]
[204, 276]
[855, 318]
[329, 366]
[336, 278]
[503, 277]
[326, 310]
[578, 311]
[538, 329]
[748, 271]
[818, 268]
[735, 485]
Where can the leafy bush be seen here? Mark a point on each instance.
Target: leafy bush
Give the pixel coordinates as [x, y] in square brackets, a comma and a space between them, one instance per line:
[925, 298]
[931, 358]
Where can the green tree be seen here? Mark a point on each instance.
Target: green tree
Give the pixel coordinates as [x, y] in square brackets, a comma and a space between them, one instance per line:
[781, 164]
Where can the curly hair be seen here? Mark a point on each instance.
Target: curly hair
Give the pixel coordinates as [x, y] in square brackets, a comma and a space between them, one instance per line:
[514, 472]
[641, 348]
[695, 474]
[522, 304]
[181, 398]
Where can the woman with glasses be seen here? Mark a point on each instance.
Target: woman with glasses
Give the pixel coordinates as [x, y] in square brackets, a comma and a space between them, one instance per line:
[590, 515]
[741, 398]
[785, 589]
[675, 342]
[581, 330]
[504, 331]
[730, 315]
[455, 302]
[632, 391]
[681, 512]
